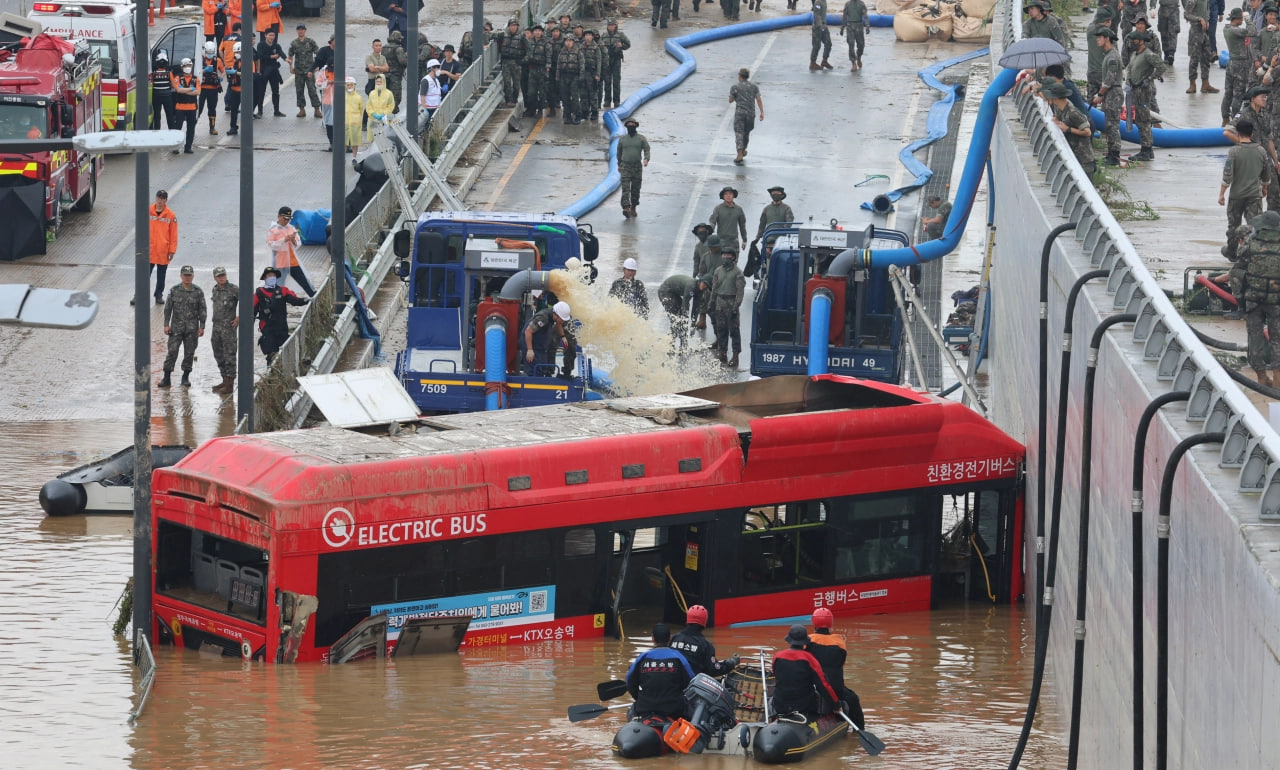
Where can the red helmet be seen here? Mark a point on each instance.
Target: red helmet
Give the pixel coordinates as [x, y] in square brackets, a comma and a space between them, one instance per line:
[697, 614]
[822, 618]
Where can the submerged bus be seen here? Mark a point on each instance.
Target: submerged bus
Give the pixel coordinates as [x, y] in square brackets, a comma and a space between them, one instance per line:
[759, 500]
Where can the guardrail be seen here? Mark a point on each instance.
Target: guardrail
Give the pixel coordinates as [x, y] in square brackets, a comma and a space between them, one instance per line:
[1183, 362]
[315, 345]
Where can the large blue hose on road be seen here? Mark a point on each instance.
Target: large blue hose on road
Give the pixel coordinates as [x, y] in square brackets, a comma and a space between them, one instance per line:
[936, 128]
[676, 47]
[1165, 137]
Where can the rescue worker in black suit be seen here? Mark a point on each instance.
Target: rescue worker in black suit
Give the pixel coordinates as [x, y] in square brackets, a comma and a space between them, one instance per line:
[694, 646]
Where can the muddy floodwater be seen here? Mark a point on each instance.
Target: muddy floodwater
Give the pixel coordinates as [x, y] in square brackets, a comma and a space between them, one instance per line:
[944, 689]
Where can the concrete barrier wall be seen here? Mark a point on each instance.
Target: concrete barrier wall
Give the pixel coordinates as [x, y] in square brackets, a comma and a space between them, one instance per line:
[1224, 638]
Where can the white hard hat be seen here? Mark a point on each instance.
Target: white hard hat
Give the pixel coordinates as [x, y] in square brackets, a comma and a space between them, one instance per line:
[186, 62]
[562, 310]
[433, 63]
[536, 293]
[209, 48]
[630, 264]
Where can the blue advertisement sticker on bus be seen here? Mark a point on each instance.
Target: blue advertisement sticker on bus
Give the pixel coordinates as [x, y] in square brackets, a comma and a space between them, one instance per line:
[497, 609]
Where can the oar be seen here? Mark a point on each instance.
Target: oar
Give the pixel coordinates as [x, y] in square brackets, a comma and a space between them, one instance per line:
[611, 690]
[870, 743]
[588, 710]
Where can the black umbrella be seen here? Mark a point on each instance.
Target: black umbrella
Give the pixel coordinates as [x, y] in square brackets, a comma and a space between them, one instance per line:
[380, 6]
[1034, 53]
[23, 233]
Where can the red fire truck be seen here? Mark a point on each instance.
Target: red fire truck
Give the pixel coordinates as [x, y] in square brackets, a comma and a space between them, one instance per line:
[49, 88]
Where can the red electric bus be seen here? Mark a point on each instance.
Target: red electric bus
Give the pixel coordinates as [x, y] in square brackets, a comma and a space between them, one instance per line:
[760, 500]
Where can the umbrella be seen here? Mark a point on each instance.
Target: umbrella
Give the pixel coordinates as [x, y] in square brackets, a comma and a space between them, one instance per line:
[23, 232]
[1034, 53]
[380, 7]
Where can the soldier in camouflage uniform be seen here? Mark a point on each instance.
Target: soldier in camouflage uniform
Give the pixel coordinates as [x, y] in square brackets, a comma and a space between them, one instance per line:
[1039, 24]
[570, 69]
[1074, 125]
[1104, 18]
[1199, 50]
[709, 260]
[1145, 67]
[1245, 174]
[553, 81]
[1130, 12]
[184, 317]
[302, 60]
[745, 97]
[660, 13]
[397, 65]
[1261, 284]
[727, 287]
[465, 52]
[593, 57]
[225, 299]
[633, 156]
[537, 57]
[1153, 44]
[614, 43]
[1235, 34]
[1168, 21]
[1110, 96]
[512, 54]
[1255, 111]
[820, 37]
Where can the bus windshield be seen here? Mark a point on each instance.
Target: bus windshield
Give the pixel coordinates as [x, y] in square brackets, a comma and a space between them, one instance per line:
[23, 121]
[212, 572]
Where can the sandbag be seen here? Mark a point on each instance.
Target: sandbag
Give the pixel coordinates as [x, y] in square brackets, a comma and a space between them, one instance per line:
[978, 9]
[924, 23]
[892, 7]
[970, 29]
[311, 224]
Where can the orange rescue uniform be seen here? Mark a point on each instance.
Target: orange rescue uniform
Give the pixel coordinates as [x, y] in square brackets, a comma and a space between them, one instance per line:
[164, 235]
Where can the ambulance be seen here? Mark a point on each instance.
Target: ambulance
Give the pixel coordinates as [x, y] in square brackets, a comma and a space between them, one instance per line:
[108, 29]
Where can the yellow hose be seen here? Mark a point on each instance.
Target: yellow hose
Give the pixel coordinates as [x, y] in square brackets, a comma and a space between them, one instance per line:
[973, 541]
[684, 605]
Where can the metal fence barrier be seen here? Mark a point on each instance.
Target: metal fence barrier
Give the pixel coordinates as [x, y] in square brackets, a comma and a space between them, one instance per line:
[1182, 361]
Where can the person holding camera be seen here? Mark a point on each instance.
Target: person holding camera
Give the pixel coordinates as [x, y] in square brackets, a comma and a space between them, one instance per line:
[270, 302]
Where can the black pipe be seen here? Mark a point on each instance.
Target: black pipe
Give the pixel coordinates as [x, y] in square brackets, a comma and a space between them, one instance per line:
[1217, 343]
[1045, 612]
[1044, 400]
[1139, 452]
[1162, 590]
[1082, 560]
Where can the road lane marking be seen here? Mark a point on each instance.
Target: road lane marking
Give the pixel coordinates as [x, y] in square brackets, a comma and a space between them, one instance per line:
[515, 164]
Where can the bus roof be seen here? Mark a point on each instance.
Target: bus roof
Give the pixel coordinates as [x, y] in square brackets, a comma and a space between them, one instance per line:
[777, 430]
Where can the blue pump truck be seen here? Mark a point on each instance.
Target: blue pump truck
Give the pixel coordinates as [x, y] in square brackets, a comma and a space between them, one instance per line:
[865, 329]
[457, 264]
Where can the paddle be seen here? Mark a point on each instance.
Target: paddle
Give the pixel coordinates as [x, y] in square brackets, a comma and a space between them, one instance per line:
[588, 710]
[870, 743]
[611, 690]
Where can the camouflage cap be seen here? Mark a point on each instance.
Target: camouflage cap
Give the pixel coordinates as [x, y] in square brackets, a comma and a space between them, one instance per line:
[1269, 8]
[396, 36]
[1257, 91]
[1055, 91]
[188, 270]
[1106, 32]
[1041, 4]
[1236, 13]
[1143, 36]
[1268, 220]
[611, 22]
[713, 241]
[217, 271]
[705, 279]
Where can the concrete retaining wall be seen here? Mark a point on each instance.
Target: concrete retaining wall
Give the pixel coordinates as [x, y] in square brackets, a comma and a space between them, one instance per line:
[1224, 604]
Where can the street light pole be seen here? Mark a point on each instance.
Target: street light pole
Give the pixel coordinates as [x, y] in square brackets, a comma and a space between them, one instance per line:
[142, 343]
[338, 179]
[244, 335]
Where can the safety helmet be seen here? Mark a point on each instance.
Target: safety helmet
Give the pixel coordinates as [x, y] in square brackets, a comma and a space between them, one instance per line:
[630, 264]
[822, 618]
[209, 48]
[162, 55]
[562, 310]
[185, 62]
[697, 614]
[235, 48]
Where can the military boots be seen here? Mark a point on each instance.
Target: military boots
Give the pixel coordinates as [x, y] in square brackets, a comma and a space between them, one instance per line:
[165, 382]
